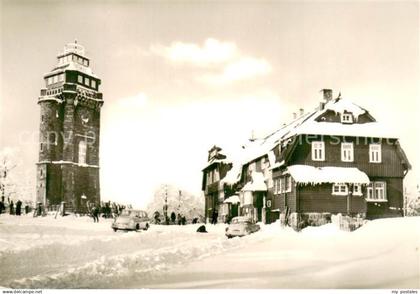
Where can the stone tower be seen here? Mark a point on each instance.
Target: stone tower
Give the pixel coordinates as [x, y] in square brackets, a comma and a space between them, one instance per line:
[68, 167]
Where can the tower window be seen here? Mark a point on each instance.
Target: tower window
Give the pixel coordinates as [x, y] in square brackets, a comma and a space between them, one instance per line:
[53, 138]
[85, 62]
[82, 152]
[80, 79]
[41, 147]
[93, 84]
[87, 81]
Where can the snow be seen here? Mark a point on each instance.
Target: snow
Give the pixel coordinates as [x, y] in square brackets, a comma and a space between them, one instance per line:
[372, 129]
[232, 199]
[233, 175]
[74, 252]
[307, 174]
[341, 105]
[257, 182]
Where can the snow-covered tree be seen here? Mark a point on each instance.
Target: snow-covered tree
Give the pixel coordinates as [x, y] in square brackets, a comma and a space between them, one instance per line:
[15, 181]
[179, 201]
[7, 165]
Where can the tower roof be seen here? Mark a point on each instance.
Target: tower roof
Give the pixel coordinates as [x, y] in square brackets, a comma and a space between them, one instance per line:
[74, 48]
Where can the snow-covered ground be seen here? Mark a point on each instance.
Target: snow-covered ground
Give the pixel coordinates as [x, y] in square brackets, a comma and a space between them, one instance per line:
[74, 252]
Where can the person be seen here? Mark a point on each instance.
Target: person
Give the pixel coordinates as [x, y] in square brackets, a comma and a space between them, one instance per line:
[1, 207]
[173, 217]
[183, 220]
[11, 208]
[95, 214]
[195, 220]
[18, 207]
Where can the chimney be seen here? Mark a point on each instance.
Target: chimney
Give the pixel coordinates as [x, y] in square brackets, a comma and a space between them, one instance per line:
[327, 94]
[294, 115]
[301, 111]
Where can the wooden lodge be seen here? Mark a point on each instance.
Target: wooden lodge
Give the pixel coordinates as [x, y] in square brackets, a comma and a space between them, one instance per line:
[333, 160]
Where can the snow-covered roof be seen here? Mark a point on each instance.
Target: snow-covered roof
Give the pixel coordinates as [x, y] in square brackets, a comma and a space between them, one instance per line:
[233, 175]
[232, 199]
[214, 160]
[341, 105]
[371, 129]
[257, 182]
[307, 174]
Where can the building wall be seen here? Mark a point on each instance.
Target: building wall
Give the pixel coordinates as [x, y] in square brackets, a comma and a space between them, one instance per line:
[318, 198]
[395, 204]
[389, 167]
[61, 178]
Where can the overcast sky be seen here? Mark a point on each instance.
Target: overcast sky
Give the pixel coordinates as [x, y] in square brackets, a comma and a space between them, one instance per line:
[178, 77]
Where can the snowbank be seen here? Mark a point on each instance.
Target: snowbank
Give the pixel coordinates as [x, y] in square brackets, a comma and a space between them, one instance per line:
[307, 174]
[74, 252]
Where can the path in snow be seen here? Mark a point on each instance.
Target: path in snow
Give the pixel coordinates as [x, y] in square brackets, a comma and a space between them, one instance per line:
[76, 253]
[382, 254]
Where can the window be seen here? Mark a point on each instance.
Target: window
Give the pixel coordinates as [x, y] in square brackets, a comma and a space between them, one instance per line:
[288, 182]
[318, 151]
[53, 138]
[277, 186]
[93, 84]
[347, 152]
[61, 77]
[357, 190]
[50, 80]
[346, 118]
[87, 81]
[85, 62]
[82, 152]
[80, 79]
[340, 189]
[55, 78]
[282, 185]
[215, 175]
[376, 191]
[41, 147]
[375, 153]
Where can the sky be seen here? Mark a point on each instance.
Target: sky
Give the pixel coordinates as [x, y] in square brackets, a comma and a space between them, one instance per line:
[181, 76]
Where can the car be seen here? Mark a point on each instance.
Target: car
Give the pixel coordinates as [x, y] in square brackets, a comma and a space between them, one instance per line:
[241, 226]
[131, 219]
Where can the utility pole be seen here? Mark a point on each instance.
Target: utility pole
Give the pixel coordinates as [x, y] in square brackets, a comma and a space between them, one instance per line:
[165, 206]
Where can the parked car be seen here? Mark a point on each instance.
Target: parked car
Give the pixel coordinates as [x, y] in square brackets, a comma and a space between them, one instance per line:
[131, 219]
[241, 226]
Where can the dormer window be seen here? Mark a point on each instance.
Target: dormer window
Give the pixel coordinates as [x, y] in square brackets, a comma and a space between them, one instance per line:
[346, 118]
[80, 79]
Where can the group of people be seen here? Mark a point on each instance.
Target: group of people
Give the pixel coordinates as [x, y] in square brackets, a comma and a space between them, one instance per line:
[106, 209]
[174, 219]
[14, 208]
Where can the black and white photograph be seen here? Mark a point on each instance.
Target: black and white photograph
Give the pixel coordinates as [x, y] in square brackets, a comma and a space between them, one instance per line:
[218, 145]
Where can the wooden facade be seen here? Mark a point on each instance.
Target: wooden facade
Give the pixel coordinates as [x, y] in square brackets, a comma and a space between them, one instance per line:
[306, 198]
